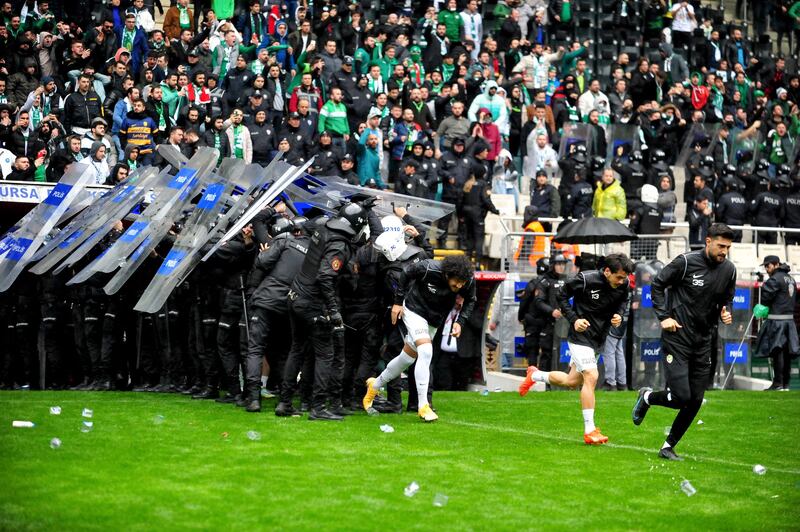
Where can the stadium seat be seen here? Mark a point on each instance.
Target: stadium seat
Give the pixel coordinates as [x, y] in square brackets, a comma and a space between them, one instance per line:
[743, 256]
[505, 204]
[793, 256]
[771, 249]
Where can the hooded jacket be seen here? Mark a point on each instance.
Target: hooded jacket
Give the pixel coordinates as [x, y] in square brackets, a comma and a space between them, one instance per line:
[496, 105]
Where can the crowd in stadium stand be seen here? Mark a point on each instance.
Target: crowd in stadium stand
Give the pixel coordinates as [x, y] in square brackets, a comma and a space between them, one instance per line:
[585, 106]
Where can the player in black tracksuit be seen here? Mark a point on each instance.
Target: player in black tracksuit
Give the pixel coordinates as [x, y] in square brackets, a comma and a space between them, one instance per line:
[701, 286]
[425, 294]
[314, 312]
[599, 299]
[273, 273]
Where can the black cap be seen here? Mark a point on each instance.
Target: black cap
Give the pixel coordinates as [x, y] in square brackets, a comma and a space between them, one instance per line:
[325, 133]
[348, 60]
[412, 163]
[257, 94]
[347, 157]
[459, 140]
[541, 172]
[293, 115]
[771, 259]
[193, 52]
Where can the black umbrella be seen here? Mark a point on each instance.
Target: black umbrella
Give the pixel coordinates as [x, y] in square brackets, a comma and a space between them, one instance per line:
[593, 231]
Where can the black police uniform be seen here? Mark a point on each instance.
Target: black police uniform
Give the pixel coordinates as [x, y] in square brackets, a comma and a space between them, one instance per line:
[777, 338]
[545, 302]
[732, 209]
[453, 172]
[314, 313]
[275, 268]
[698, 289]
[767, 210]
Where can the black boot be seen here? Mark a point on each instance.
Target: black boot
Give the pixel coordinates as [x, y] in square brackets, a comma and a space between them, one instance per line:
[82, 386]
[209, 392]
[286, 410]
[340, 410]
[254, 406]
[194, 390]
[243, 401]
[228, 398]
[322, 414]
[101, 386]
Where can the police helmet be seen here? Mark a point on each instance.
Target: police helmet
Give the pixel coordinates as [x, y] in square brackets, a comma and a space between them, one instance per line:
[281, 225]
[658, 156]
[636, 157]
[542, 266]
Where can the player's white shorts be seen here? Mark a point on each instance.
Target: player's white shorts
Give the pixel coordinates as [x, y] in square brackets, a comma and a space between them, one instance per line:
[582, 357]
[417, 328]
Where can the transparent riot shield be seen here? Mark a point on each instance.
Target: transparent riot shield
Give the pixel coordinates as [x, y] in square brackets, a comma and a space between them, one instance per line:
[573, 134]
[165, 206]
[86, 226]
[198, 230]
[17, 251]
[275, 189]
[745, 149]
[646, 364]
[621, 142]
[703, 133]
[421, 209]
[735, 340]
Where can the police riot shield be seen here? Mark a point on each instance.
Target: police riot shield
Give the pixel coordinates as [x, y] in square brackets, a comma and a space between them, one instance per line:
[421, 209]
[86, 225]
[17, 250]
[646, 364]
[735, 340]
[165, 206]
[696, 133]
[573, 134]
[199, 229]
[622, 141]
[745, 150]
[289, 174]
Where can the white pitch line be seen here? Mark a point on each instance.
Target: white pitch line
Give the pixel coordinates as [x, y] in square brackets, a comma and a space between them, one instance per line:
[547, 436]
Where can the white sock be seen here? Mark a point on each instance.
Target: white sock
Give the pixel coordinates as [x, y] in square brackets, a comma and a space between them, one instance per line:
[422, 372]
[647, 397]
[394, 368]
[263, 381]
[588, 420]
[665, 445]
[541, 376]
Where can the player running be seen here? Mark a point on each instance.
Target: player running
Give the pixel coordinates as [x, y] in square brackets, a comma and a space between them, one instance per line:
[425, 294]
[599, 297]
[701, 287]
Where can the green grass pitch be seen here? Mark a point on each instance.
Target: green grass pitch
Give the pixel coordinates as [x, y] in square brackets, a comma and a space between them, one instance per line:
[504, 462]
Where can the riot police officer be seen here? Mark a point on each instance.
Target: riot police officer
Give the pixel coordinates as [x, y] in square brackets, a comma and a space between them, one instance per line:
[632, 176]
[273, 273]
[767, 210]
[732, 208]
[314, 310]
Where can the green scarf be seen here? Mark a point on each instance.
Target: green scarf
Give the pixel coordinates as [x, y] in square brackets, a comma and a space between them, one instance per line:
[127, 39]
[238, 142]
[36, 117]
[183, 18]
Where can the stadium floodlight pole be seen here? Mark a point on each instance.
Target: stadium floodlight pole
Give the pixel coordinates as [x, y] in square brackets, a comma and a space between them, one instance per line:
[737, 353]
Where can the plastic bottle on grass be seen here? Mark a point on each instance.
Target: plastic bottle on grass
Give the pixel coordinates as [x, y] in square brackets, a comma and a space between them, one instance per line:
[687, 488]
[411, 489]
[87, 426]
[440, 499]
[759, 469]
[55, 443]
